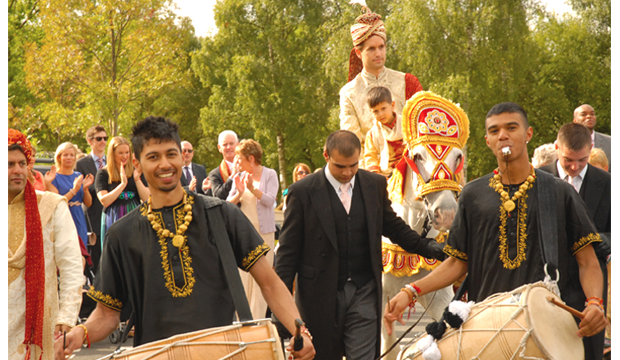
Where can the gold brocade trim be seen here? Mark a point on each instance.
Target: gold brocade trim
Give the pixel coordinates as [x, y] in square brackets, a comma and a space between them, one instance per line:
[254, 255]
[105, 299]
[455, 253]
[186, 260]
[425, 99]
[521, 230]
[398, 262]
[395, 187]
[585, 241]
[436, 185]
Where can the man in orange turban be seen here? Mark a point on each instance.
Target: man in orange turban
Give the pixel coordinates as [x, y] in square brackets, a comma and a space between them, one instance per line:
[42, 238]
[367, 70]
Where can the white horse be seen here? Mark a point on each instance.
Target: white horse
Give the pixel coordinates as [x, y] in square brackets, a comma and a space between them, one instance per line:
[422, 207]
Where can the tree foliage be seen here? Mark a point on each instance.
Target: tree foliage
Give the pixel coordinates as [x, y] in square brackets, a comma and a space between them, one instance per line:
[264, 68]
[100, 60]
[273, 70]
[480, 53]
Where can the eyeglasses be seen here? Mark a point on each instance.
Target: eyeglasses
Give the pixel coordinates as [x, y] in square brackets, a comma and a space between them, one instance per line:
[99, 138]
[302, 172]
[188, 151]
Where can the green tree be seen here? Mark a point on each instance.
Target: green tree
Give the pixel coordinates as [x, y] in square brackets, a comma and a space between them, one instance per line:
[182, 104]
[100, 60]
[23, 28]
[480, 53]
[264, 68]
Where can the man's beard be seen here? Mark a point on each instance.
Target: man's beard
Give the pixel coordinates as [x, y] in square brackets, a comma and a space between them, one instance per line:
[168, 188]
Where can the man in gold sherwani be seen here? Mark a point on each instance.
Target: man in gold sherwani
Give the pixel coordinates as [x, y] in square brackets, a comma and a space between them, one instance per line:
[43, 243]
[367, 70]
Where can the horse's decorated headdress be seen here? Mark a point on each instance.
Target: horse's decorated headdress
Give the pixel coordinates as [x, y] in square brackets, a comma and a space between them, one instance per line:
[439, 125]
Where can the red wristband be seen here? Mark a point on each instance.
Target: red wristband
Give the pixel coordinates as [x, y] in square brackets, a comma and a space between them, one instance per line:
[416, 288]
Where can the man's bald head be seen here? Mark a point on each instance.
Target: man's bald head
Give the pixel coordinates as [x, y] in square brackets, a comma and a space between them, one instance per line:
[584, 115]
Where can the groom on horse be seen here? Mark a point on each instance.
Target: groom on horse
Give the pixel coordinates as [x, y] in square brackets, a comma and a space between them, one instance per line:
[367, 70]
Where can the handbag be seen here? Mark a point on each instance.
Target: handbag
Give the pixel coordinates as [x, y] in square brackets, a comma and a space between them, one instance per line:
[92, 237]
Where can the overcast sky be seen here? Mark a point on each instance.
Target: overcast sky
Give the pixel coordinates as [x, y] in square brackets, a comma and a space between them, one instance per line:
[201, 12]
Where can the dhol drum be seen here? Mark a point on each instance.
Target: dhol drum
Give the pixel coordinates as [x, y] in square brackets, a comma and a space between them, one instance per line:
[520, 324]
[250, 340]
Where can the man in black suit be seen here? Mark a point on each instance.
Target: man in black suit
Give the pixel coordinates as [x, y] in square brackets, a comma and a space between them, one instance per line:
[594, 186]
[97, 138]
[194, 175]
[331, 238]
[222, 176]
[585, 115]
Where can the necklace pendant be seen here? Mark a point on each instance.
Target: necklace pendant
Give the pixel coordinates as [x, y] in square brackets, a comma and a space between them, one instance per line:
[177, 240]
[509, 205]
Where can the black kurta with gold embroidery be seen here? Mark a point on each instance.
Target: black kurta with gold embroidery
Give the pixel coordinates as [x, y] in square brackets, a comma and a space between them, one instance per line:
[502, 250]
[173, 290]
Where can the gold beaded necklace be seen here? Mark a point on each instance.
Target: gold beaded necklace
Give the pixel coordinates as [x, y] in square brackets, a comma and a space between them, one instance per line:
[507, 202]
[177, 239]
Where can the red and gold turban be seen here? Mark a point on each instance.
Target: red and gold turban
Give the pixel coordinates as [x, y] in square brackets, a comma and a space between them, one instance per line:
[367, 25]
[16, 137]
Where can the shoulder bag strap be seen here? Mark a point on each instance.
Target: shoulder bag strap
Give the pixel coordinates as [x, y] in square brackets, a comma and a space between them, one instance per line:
[547, 219]
[222, 242]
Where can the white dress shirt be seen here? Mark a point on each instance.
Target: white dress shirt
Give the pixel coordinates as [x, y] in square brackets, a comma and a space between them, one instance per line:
[336, 184]
[575, 181]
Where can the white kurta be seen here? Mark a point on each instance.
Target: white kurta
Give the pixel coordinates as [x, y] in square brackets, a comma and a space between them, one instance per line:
[355, 115]
[62, 251]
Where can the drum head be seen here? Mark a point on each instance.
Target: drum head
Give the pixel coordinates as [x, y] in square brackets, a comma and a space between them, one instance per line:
[554, 329]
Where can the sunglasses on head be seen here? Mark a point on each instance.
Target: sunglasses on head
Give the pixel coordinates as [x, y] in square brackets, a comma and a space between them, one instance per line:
[188, 151]
[99, 138]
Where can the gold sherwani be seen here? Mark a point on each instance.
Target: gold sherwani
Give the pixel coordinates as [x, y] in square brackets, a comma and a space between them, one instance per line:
[355, 115]
[62, 251]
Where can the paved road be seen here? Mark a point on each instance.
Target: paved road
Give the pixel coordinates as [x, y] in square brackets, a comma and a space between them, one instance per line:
[104, 348]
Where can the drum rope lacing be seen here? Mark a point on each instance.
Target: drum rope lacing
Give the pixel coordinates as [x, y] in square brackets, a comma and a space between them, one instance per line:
[243, 345]
[428, 344]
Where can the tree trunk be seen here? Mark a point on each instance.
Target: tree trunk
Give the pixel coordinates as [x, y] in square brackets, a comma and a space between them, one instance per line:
[281, 160]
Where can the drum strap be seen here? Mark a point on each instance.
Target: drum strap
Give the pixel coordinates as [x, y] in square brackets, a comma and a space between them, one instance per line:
[222, 242]
[547, 219]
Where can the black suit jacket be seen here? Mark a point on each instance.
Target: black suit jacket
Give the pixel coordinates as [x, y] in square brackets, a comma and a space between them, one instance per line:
[219, 188]
[309, 247]
[200, 173]
[85, 166]
[596, 192]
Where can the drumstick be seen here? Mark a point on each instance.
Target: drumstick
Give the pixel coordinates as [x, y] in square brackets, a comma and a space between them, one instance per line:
[390, 308]
[576, 313]
[299, 341]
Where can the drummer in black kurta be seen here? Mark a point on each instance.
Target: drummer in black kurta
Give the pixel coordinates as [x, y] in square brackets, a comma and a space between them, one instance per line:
[494, 236]
[174, 294]
[162, 256]
[507, 252]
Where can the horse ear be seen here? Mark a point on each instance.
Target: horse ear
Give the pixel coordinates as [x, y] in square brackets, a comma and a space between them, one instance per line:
[412, 164]
[460, 167]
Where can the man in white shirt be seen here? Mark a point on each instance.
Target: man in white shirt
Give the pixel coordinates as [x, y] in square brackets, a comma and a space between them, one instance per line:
[585, 115]
[222, 176]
